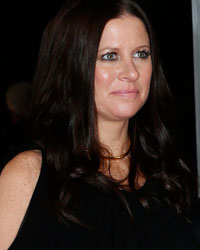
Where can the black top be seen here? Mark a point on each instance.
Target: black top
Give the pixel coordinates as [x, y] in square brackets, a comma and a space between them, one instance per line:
[109, 220]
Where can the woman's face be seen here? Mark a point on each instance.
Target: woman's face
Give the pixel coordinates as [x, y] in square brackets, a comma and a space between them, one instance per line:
[123, 69]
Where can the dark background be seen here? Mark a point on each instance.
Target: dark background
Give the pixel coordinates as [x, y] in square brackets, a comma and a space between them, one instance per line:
[23, 24]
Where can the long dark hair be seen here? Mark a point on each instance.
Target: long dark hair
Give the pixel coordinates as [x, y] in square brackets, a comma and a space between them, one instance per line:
[64, 110]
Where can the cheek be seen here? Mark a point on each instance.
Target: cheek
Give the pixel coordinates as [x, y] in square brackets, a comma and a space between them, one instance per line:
[147, 74]
[103, 84]
[103, 77]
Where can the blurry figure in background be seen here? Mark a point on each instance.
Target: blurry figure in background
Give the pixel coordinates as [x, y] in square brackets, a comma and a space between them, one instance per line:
[18, 97]
[16, 129]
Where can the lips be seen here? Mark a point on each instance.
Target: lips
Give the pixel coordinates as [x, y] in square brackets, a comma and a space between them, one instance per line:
[126, 93]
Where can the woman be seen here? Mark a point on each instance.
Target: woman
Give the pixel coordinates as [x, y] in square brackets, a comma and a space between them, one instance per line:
[106, 174]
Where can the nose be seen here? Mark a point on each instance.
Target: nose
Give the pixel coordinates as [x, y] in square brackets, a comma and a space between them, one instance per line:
[128, 71]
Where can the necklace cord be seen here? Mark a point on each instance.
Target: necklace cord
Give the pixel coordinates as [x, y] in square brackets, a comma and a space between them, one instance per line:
[119, 156]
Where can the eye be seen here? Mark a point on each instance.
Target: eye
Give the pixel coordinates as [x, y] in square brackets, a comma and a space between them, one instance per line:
[143, 54]
[109, 56]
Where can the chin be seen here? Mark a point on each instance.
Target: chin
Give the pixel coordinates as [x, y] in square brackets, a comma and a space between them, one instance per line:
[127, 113]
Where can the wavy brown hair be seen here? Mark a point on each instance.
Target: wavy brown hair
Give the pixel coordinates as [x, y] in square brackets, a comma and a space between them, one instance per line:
[64, 111]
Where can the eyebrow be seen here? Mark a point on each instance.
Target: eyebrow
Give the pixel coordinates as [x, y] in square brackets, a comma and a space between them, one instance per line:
[109, 48]
[116, 49]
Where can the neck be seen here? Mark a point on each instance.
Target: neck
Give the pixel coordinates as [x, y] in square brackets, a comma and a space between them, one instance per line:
[114, 135]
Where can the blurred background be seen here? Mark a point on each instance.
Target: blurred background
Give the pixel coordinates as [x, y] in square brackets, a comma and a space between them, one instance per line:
[22, 27]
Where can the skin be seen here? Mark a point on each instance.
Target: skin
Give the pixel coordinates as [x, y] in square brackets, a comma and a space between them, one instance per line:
[17, 183]
[122, 79]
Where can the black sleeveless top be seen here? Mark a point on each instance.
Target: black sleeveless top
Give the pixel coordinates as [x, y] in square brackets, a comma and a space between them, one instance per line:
[110, 224]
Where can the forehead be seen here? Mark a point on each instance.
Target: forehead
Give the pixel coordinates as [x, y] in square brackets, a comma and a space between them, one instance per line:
[124, 30]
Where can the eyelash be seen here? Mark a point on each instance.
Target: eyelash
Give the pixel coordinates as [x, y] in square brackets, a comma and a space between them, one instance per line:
[145, 55]
[109, 54]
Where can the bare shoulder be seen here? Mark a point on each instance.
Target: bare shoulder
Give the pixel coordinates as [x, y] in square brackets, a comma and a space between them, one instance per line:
[26, 162]
[17, 183]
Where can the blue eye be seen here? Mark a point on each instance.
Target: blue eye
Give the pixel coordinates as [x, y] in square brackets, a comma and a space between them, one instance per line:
[109, 56]
[143, 54]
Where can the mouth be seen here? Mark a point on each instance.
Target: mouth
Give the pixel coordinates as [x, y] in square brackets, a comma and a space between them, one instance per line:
[126, 93]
